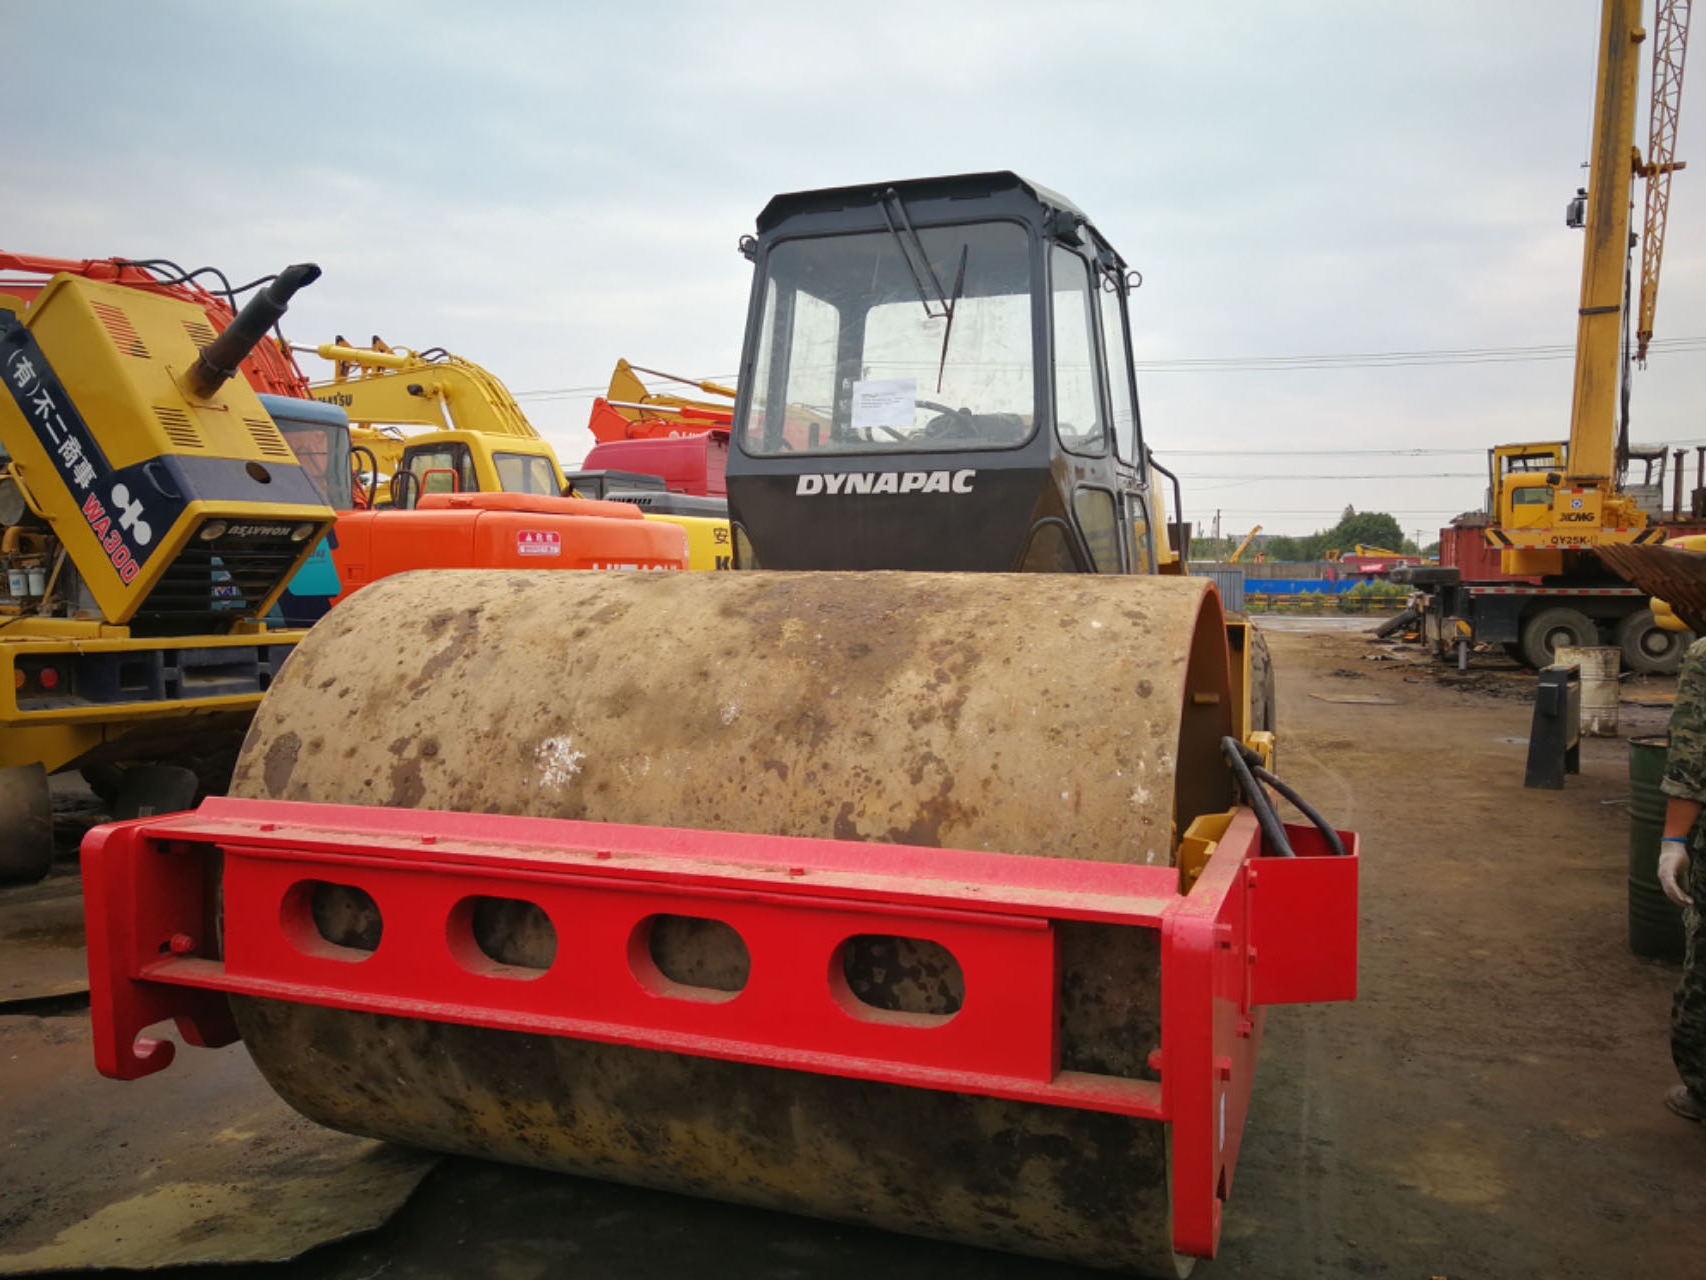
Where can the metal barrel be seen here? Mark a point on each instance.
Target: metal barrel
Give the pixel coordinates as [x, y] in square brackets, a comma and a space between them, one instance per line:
[1599, 665]
[1049, 715]
[1655, 922]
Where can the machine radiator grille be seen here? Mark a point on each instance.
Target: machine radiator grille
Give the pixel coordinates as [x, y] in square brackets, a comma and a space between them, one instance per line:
[212, 584]
[201, 333]
[120, 329]
[178, 427]
[268, 440]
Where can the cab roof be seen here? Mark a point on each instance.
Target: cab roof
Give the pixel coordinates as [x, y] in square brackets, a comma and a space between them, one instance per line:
[956, 186]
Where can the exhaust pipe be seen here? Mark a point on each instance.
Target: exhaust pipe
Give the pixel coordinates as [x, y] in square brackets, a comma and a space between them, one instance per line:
[218, 361]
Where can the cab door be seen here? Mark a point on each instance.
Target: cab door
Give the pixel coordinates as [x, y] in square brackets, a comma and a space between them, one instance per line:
[1132, 480]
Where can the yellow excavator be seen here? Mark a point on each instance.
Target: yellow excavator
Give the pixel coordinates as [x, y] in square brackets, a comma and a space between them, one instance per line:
[1243, 546]
[429, 422]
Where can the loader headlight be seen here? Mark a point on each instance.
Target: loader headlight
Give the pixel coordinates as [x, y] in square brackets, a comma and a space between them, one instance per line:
[302, 532]
[211, 530]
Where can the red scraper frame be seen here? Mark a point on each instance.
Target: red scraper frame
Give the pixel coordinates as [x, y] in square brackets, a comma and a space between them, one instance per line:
[1251, 931]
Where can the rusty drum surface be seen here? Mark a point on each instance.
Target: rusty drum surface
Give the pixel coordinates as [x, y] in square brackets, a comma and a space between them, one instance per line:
[1065, 716]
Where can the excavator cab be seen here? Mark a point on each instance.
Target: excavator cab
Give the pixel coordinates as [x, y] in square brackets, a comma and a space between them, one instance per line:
[937, 375]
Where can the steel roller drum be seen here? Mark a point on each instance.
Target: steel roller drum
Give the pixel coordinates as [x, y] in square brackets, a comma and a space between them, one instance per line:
[1062, 716]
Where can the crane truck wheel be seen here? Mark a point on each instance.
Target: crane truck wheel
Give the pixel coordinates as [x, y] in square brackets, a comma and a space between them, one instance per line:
[1648, 648]
[26, 824]
[1551, 629]
[1053, 715]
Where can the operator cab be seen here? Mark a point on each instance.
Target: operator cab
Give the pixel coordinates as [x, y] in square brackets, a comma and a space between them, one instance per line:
[937, 375]
[444, 462]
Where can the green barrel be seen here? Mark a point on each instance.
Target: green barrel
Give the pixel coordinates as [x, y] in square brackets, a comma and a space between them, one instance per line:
[1655, 922]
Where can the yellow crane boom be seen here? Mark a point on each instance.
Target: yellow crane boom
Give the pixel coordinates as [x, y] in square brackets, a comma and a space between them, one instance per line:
[1592, 455]
[1244, 545]
[1539, 518]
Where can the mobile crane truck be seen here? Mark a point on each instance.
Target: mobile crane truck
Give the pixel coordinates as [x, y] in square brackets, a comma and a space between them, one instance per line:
[921, 873]
[1525, 574]
[152, 513]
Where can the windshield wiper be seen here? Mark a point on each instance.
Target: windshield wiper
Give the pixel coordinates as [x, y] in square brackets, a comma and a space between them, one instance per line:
[913, 254]
[947, 331]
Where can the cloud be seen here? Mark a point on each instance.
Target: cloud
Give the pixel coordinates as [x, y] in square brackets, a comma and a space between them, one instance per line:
[545, 187]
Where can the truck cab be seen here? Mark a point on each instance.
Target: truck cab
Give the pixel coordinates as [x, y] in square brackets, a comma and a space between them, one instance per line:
[1523, 479]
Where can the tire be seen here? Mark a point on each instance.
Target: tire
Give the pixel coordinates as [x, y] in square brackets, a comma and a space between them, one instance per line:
[150, 789]
[1551, 629]
[26, 824]
[1261, 682]
[1648, 648]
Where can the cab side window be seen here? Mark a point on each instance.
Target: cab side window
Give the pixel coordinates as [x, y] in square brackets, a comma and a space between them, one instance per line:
[1120, 391]
[1077, 401]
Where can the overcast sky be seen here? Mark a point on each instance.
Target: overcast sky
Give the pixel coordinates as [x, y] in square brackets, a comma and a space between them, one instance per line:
[544, 187]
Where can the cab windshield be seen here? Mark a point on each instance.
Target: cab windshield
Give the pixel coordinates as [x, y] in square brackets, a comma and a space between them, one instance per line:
[323, 452]
[526, 473]
[861, 351]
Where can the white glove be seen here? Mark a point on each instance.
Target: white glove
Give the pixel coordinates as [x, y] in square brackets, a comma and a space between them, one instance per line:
[1673, 872]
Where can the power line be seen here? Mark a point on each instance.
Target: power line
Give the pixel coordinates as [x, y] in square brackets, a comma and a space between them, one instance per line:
[1322, 453]
[1327, 475]
[1166, 451]
[575, 393]
[1327, 511]
[1252, 364]
[1394, 359]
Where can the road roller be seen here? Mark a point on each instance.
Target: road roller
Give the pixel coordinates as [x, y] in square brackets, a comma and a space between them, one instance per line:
[930, 874]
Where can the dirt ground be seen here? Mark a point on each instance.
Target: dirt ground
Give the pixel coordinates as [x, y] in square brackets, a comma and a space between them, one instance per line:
[1488, 1107]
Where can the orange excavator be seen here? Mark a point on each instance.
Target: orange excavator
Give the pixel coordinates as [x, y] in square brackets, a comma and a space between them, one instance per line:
[629, 411]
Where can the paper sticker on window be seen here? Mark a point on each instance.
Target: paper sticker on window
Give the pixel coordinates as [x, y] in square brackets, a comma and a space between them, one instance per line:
[884, 403]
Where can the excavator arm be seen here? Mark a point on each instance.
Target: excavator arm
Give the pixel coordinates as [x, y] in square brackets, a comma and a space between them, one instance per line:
[435, 391]
[629, 411]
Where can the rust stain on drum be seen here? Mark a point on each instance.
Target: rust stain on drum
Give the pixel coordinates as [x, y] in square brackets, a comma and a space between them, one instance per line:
[280, 762]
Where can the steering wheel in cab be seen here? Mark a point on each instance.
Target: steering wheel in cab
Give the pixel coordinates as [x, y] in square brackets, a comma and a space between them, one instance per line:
[949, 423]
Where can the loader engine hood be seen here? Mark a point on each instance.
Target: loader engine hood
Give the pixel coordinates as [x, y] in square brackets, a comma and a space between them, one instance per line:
[901, 403]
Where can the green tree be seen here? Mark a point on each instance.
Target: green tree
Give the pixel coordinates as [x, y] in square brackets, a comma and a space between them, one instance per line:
[1370, 528]
[1373, 528]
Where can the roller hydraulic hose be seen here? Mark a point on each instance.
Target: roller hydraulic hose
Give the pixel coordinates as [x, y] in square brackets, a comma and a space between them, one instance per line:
[217, 364]
[1247, 767]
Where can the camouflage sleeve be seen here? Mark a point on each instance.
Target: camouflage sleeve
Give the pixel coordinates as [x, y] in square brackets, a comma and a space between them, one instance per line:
[1685, 766]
